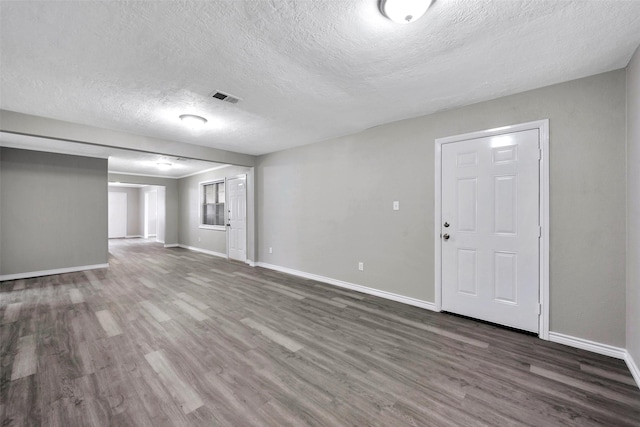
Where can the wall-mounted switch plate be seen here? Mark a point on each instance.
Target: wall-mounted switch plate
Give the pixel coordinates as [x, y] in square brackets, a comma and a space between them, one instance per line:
[361, 266]
[396, 206]
[270, 250]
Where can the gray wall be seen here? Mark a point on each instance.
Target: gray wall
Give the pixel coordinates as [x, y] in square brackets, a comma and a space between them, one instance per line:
[189, 216]
[53, 211]
[326, 206]
[171, 200]
[133, 209]
[633, 207]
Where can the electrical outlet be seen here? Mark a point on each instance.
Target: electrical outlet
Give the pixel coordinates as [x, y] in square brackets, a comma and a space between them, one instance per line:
[361, 266]
[396, 206]
[270, 250]
[199, 239]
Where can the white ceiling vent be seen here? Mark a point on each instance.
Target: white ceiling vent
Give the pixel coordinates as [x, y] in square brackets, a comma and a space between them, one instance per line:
[225, 97]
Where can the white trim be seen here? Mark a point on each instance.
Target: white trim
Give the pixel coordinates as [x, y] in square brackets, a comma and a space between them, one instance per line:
[172, 245]
[51, 272]
[599, 348]
[205, 251]
[635, 371]
[170, 177]
[251, 263]
[213, 227]
[437, 225]
[145, 215]
[146, 212]
[205, 171]
[135, 236]
[543, 136]
[118, 184]
[141, 174]
[544, 215]
[592, 346]
[359, 288]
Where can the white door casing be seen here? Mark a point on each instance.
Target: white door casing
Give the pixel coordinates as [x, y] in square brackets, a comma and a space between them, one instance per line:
[117, 212]
[492, 192]
[150, 214]
[237, 218]
[145, 216]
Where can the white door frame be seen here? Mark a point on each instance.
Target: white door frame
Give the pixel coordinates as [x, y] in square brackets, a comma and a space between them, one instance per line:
[543, 131]
[246, 220]
[146, 214]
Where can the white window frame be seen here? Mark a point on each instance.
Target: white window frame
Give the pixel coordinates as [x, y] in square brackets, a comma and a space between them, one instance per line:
[201, 204]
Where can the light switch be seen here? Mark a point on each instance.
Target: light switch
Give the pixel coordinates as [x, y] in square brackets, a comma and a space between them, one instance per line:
[396, 206]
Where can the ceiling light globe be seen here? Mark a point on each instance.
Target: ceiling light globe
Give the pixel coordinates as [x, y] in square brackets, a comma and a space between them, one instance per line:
[192, 120]
[404, 11]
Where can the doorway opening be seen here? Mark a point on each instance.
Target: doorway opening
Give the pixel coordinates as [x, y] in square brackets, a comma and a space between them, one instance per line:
[137, 211]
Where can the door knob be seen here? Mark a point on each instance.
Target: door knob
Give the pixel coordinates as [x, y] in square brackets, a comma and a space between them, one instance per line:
[445, 236]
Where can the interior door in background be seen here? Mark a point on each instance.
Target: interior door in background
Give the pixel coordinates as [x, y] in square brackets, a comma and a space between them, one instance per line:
[150, 214]
[237, 218]
[490, 229]
[117, 215]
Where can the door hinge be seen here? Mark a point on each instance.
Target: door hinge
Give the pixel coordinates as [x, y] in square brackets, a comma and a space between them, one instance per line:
[539, 154]
[539, 231]
[539, 309]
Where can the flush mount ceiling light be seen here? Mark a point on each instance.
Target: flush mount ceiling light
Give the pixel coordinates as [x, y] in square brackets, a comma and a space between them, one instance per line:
[164, 165]
[192, 120]
[404, 11]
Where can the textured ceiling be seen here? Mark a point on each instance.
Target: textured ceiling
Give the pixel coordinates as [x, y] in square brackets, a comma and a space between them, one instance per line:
[306, 70]
[120, 161]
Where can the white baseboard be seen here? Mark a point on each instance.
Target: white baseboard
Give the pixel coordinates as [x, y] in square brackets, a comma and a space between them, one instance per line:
[595, 347]
[171, 245]
[204, 251]
[359, 288]
[134, 236]
[635, 372]
[160, 241]
[51, 272]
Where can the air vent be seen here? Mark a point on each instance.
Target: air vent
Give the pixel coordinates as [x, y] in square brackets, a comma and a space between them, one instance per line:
[225, 97]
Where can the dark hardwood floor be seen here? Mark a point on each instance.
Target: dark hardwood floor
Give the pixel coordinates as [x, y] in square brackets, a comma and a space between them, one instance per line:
[169, 337]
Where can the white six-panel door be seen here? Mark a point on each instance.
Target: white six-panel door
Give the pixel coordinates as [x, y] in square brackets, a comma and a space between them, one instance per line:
[237, 218]
[490, 228]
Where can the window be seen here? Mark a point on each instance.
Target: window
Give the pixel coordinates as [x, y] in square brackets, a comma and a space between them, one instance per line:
[212, 204]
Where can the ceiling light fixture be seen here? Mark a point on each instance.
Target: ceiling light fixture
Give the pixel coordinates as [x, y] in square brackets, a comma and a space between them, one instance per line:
[192, 120]
[164, 165]
[404, 11]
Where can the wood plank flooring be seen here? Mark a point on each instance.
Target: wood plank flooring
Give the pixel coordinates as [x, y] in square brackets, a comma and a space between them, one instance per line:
[169, 337]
